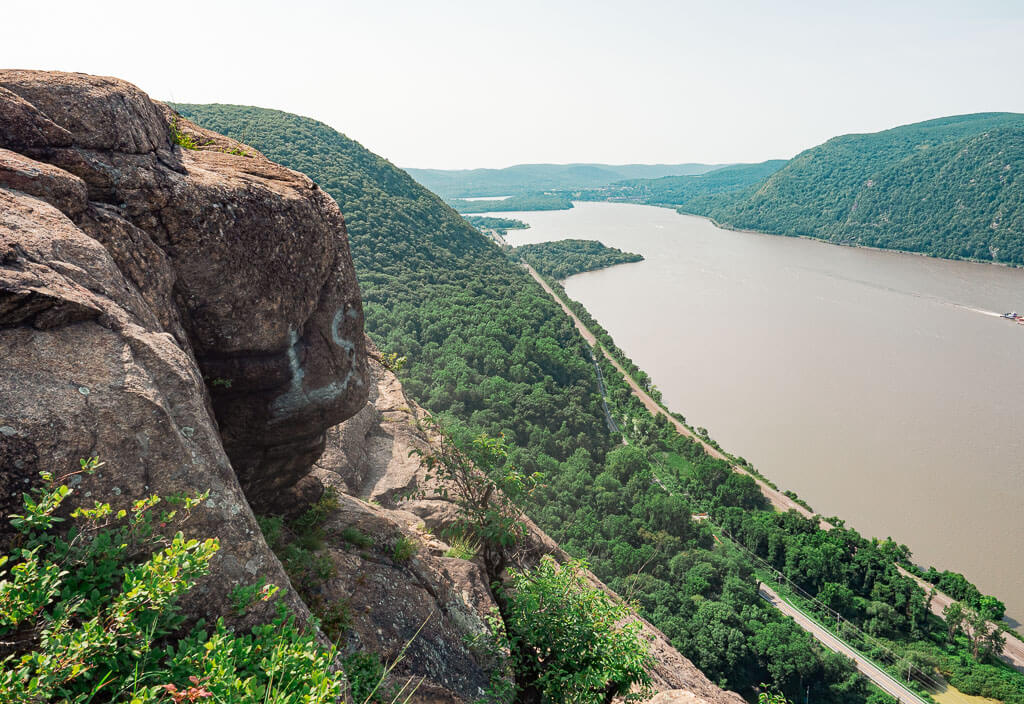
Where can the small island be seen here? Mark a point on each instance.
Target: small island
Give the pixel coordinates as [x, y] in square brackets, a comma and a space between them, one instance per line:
[563, 258]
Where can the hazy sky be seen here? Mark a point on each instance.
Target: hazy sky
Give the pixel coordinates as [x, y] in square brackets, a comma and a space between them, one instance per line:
[468, 84]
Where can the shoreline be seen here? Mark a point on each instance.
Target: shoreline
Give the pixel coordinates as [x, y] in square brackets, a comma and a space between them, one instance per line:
[851, 245]
[776, 496]
[725, 226]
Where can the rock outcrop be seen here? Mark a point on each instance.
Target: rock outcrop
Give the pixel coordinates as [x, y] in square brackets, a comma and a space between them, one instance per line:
[368, 457]
[191, 317]
[135, 276]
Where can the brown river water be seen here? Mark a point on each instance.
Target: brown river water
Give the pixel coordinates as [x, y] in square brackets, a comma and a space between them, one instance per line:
[881, 387]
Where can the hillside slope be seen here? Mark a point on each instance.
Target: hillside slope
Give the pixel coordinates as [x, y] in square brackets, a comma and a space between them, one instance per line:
[951, 187]
[203, 334]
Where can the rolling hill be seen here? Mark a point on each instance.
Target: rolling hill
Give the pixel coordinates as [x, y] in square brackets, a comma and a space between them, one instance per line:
[951, 187]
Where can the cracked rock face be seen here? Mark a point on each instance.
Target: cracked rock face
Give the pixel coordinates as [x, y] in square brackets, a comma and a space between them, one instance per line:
[189, 316]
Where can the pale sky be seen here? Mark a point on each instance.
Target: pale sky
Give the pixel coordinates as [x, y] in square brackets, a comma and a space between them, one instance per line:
[453, 84]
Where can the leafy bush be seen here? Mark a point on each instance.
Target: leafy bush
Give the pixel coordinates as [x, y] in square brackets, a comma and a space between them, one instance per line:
[570, 642]
[90, 614]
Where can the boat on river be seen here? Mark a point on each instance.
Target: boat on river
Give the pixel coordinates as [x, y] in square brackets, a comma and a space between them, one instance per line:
[1015, 317]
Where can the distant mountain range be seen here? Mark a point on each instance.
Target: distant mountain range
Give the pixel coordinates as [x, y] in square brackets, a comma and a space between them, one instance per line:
[531, 178]
[676, 190]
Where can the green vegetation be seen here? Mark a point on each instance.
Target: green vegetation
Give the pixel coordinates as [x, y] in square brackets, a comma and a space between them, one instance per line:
[475, 472]
[356, 537]
[499, 225]
[178, 137]
[562, 259]
[404, 549]
[300, 544]
[530, 178]
[526, 201]
[677, 190]
[486, 346]
[957, 586]
[566, 641]
[570, 642]
[89, 613]
[462, 547]
[949, 188]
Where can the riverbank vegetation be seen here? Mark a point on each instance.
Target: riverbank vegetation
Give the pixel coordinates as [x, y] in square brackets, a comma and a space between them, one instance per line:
[531, 178]
[563, 258]
[677, 190]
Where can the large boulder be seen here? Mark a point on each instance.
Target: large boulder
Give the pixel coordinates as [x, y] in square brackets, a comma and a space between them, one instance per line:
[137, 277]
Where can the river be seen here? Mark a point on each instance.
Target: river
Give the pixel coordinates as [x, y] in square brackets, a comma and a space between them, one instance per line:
[881, 387]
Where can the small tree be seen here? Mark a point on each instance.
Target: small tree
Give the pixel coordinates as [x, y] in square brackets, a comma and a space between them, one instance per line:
[475, 474]
[954, 616]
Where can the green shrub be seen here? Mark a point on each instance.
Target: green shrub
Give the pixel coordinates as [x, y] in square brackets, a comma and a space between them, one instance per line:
[90, 614]
[356, 537]
[404, 549]
[475, 474]
[571, 642]
[365, 672]
[178, 137]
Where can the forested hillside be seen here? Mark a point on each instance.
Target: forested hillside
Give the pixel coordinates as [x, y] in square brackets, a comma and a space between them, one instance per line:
[487, 346]
[951, 187]
[677, 190]
[482, 340]
[528, 178]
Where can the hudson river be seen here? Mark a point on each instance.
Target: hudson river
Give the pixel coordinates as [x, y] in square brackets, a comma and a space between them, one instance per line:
[880, 387]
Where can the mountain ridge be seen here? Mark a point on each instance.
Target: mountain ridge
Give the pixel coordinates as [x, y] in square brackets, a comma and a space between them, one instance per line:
[949, 187]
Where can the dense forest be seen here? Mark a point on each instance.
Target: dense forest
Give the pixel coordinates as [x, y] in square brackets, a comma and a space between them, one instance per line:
[530, 178]
[677, 190]
[490, 351]
[525, 201]
[952, 187]
[563, 258]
